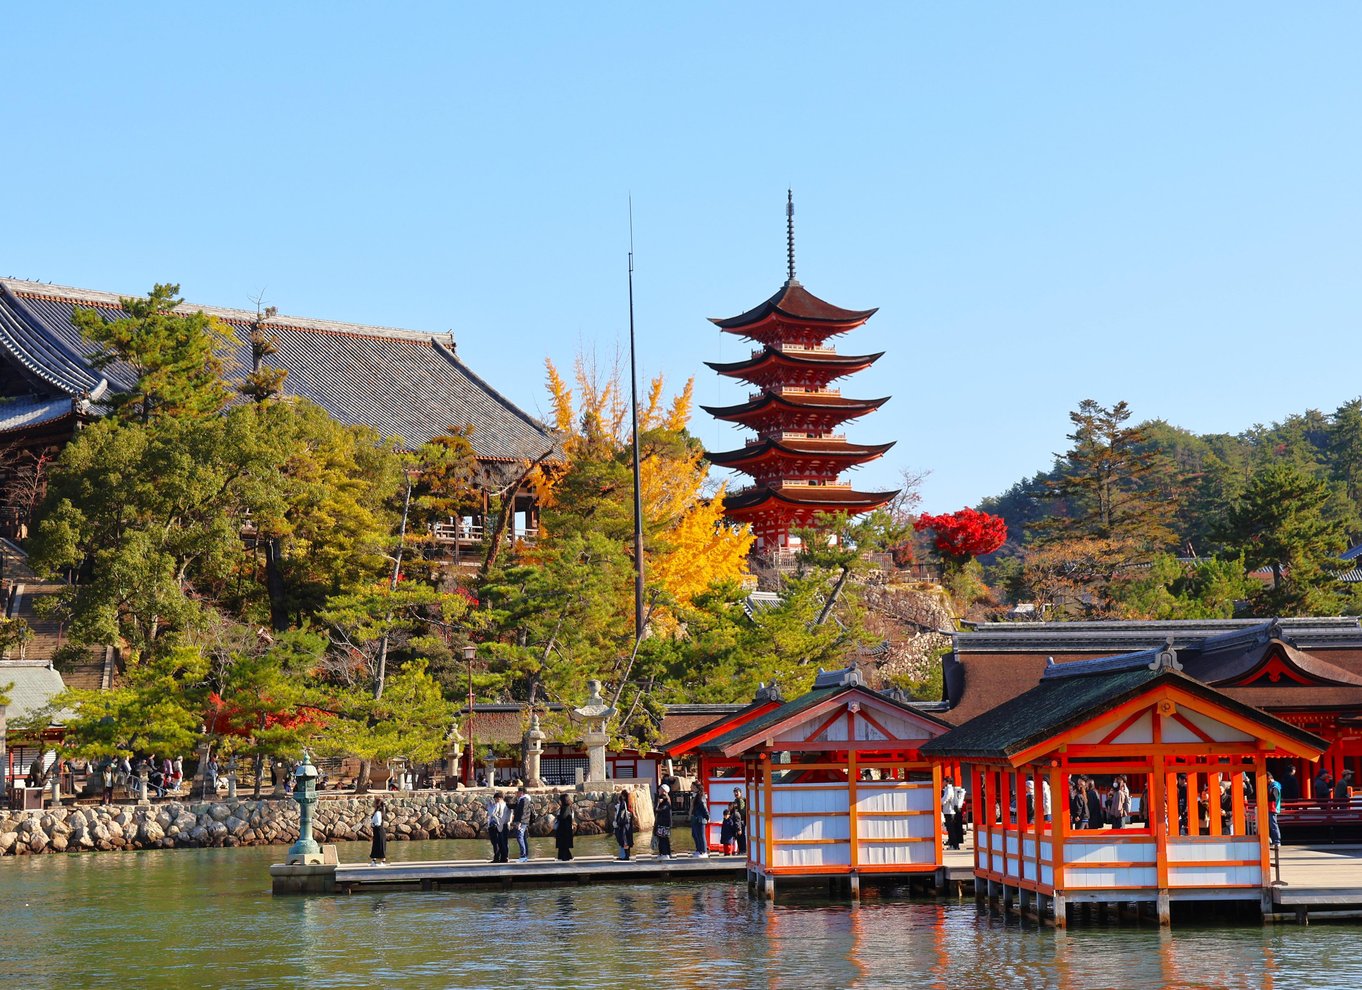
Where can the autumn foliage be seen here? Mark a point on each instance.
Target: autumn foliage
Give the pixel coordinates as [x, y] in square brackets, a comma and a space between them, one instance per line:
[964, 534]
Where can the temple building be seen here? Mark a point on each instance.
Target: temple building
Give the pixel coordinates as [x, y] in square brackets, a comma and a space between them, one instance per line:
[1305, 671]
[797, 457]
[405, 384]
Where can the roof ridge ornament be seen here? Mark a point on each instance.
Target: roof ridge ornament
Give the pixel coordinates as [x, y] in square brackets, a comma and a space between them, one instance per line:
[789, 236]
[1167, 658]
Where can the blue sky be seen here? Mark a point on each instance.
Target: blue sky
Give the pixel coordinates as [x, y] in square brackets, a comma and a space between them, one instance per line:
[1158, 203]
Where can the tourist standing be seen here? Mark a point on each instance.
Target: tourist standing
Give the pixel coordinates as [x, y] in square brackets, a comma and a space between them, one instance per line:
[1291, 785]
[948, 810]
[726, 832]
[563, 827]
[662, 824]
[1078, 804]
[958, 835]
[1118, 802]
[106, 777]
[378, 847]
[1274, 808]
[520, 822]
[498, 818]
[1343, 790]
[699, 820]
[623, 824]
[1094, 804]
[1045, 798]
[740, 820]
[1323, 785]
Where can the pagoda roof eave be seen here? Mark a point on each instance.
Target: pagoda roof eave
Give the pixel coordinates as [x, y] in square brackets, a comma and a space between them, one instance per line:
[794, 302]
[838, 405]
[827, 500]
[845, 451]
[772, 356]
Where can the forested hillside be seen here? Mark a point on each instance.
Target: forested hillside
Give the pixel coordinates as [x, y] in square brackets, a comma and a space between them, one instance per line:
[1153, 521]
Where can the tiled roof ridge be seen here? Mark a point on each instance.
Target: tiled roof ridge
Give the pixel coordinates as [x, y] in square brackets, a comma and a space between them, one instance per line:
[78, 296]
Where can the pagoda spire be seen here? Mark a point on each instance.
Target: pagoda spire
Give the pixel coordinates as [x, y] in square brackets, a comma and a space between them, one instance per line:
[789, 235]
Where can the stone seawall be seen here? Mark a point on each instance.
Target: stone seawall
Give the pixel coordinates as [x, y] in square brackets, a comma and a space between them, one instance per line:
[247, 822]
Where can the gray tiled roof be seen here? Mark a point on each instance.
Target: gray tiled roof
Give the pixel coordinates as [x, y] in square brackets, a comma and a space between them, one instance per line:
[1114, 636]
[402, 383]
[34, 686]
[24, 412]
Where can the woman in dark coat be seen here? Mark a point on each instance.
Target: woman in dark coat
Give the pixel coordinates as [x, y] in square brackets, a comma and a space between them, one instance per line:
[663, 823]
[563, 827]
[624, 824]
[378, 849]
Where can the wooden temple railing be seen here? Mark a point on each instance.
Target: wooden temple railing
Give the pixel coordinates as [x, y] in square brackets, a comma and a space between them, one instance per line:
[470, 533]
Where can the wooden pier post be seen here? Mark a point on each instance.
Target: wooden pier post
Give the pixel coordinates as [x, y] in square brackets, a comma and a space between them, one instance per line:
[1165, 908]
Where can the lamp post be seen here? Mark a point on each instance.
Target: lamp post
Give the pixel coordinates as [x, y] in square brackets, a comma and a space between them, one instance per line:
[469, 652]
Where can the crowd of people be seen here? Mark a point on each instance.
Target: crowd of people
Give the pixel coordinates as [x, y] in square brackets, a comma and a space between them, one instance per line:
[163, 775]
[511, 816]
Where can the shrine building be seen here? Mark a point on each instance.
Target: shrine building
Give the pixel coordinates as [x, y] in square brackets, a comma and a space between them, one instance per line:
[797, 457]
[1192, 760]
[837, 788]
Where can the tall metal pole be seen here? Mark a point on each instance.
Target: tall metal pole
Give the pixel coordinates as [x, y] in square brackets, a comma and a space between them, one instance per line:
[469, 652]
[633, 403]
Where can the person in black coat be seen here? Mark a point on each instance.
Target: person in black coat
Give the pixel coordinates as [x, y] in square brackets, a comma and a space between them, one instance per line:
[662, 826]
[623, 824]
[563, 827]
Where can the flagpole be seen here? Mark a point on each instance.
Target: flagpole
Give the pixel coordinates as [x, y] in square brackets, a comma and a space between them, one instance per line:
[633, 404]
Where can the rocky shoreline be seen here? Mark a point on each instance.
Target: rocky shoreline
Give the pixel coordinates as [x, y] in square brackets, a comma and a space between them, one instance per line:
[271, 821]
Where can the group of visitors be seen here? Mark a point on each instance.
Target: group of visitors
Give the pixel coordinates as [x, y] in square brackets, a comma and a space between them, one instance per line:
[504, 819]
[163, 775]
[1089, 808]
[1337, 792]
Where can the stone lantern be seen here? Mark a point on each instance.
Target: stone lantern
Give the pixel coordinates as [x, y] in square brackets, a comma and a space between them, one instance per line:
[594, 713]
[305, 851]
[534, 750]
[453, 752]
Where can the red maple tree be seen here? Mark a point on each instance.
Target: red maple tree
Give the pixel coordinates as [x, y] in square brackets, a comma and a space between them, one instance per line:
[964, 534]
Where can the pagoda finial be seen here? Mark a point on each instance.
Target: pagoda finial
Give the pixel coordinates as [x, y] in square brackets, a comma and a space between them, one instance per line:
[789, 232]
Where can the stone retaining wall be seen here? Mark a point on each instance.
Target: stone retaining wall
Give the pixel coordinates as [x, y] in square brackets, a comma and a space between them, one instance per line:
[247, 822]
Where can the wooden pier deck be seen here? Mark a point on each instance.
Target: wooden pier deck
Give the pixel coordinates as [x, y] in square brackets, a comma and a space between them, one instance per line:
[1320, 880]
[581, 870]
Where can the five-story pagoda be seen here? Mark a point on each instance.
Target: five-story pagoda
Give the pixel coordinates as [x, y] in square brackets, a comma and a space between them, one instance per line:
[797, 456]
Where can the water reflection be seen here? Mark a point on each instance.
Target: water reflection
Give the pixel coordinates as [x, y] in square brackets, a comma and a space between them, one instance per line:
[205, 919]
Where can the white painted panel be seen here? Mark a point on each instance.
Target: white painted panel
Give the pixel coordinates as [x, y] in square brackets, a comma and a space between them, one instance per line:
[799, 732]
[1093, 853]
[1183, 850]
[1047, 875]
[1136, 876]
[1047, 850]
[866, 732]
[810, 827]
[810, 798]
[838, 854]
[1096, 853]
[1012, 846]
[1028, 870]
[1139, 731]
[872, 797]
[1174, 731]
[897, 854]
[1217, 730]
[1209, 876]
